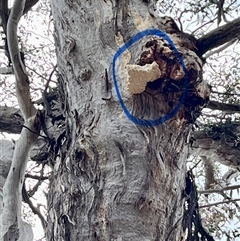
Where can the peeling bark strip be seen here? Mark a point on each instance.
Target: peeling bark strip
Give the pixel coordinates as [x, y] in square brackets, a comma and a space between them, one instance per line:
[144, 122]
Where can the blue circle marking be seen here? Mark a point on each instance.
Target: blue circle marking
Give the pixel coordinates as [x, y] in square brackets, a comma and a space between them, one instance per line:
[121, 50]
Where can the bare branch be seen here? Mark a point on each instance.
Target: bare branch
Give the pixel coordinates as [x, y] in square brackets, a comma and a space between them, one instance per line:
[11, 121]
[28, 5]
[22, 82]
[227, 188]
[218, 50]
[6, 70]
[12, 189]
[38, 74]
[203, 25]
[42, 178]
[229, 108]
[34, 209]
[220, 10]
[209, 172]
[217, 203]
[218, 36]
[216, 148]
[225, 93]
[4, 14]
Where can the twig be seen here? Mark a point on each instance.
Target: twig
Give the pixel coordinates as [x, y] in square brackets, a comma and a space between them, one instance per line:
[226, 107]
[27, 175]
[45, 137]
[49, 79]
[37, 73]
[226, 93]
[211, 21]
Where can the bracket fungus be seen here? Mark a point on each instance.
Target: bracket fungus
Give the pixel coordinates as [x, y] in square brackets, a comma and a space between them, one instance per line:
[139, 76]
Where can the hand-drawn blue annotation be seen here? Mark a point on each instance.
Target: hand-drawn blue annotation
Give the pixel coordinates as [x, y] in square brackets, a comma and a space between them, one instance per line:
[128, 44]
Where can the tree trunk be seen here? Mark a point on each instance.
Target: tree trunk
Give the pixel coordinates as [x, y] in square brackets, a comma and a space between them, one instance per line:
[121, 165]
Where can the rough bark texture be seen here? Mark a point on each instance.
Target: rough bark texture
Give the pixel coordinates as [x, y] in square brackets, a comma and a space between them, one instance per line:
[113, 179]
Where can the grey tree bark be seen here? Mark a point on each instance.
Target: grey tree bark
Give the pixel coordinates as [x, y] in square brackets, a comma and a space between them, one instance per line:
[114, 179]
[118, 139]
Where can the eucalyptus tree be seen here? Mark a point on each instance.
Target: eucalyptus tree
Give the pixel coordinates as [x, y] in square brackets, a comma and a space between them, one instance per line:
[118, 129]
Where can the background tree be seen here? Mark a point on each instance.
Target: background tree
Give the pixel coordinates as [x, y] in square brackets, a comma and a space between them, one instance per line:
[119, 159]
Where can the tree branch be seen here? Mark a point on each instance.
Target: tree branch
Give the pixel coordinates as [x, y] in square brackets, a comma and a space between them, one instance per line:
[220, 49]
[34, 209]
[42, 178]
[12, 189]
[218, 36]
[219, 190]
[28, 5]
[4, 14]
[11, 120]
[6, 70]
[216, 147]
[217, 203]
[209, 172]
[229, 108]
[22, 83]
[4, 11]
[220, 11]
